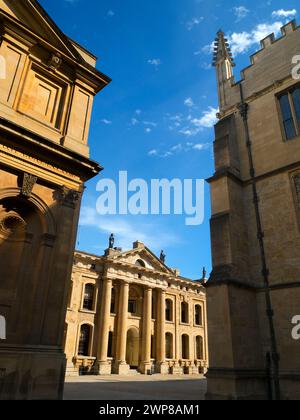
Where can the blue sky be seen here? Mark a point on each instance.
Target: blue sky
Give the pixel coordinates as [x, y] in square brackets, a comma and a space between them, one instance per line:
[156, 118]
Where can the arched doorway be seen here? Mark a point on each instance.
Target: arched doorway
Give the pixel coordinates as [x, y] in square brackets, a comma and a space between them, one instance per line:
[133, 348]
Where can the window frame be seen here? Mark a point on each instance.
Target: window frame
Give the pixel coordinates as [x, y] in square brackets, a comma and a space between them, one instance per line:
[94, 297]
[91, 338]
[135, 303]
[201, 315]
[289, 92]
[171, 320]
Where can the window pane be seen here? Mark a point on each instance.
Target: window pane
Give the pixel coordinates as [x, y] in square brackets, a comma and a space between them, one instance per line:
[132, 307]
[287, 115]
[296, 99]
[88, 302]
[84, 341]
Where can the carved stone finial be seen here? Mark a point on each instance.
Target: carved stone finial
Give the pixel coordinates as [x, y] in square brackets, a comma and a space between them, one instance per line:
[29, 182]
[222, 51]
[55, 61]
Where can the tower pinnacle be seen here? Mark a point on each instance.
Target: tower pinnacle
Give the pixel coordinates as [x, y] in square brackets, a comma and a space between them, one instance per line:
[222, 50]
[223, 61]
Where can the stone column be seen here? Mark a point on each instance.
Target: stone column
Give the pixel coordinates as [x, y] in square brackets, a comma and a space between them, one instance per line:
[146, 342]
[104, 367]
[121, 367]
[161, 334]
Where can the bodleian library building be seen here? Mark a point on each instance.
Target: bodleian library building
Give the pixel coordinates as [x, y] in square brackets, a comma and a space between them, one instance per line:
[129, 313]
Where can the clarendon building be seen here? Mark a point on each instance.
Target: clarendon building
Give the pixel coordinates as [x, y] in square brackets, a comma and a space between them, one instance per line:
[129, 312]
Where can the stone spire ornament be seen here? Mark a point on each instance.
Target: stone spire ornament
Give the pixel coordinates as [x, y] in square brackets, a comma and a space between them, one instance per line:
[224, 63]
[222, 51]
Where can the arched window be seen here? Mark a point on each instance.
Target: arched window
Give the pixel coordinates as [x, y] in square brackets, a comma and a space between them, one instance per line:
[169, 310]
[185, 343]
[169, 346]
[199, 348]
[84, 340]
[113, 302]
[184, 313]
[88, 301]
[110, 344]
[198, 315]
[140, 263]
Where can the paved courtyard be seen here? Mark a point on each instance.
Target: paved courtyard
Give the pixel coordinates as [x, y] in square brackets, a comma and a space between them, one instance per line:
[138, 387]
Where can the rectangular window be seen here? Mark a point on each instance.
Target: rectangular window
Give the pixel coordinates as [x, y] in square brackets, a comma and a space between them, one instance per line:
[290, 112]
[132, 307]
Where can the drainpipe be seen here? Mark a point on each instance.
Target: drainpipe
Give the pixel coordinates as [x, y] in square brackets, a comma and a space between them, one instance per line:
[272, 357]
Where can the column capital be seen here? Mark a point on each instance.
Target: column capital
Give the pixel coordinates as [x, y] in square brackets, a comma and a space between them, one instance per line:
[107, 279]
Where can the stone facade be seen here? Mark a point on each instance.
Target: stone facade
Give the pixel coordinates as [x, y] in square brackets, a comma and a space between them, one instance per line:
[128, 311]
[254, 289]
[47, 87]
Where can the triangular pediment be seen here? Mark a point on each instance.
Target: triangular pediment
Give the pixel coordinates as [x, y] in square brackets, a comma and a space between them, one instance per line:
[143, 258]
[31, 14]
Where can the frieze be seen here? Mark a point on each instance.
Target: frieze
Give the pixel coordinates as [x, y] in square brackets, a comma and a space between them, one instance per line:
[16, 154]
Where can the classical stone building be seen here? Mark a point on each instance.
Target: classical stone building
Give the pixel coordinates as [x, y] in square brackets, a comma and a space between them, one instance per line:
[254, 289]
[47, 86]
[129, 311]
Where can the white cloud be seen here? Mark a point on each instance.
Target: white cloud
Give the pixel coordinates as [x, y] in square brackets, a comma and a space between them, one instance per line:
[207, 120]
[189, 102]
[284, 13]
[153, 152]
[152, 235]
[111, 13]
[148, 130]
[106, 122]
[179, 149]
[150, 123]
[156, 62]
[201, 146]
[134, 121]
[241, 12]
[241, 42]
[138, 112]
[194, 22]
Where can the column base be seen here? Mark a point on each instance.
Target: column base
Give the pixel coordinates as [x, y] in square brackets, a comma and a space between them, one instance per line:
[121, 368]
[177, 370]
[103, 369]
[162, 369]
[195, 370]
[145, 368]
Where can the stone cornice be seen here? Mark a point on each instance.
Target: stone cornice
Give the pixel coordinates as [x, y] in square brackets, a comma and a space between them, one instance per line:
[120, 270]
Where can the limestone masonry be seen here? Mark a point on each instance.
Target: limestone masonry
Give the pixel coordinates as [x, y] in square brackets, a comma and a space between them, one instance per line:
[129, 311]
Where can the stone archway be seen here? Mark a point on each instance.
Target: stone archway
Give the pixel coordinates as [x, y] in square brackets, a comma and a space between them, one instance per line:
[133, 348]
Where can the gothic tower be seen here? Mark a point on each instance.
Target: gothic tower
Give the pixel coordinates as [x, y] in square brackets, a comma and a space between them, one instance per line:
[47, 87]
[254, 290]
